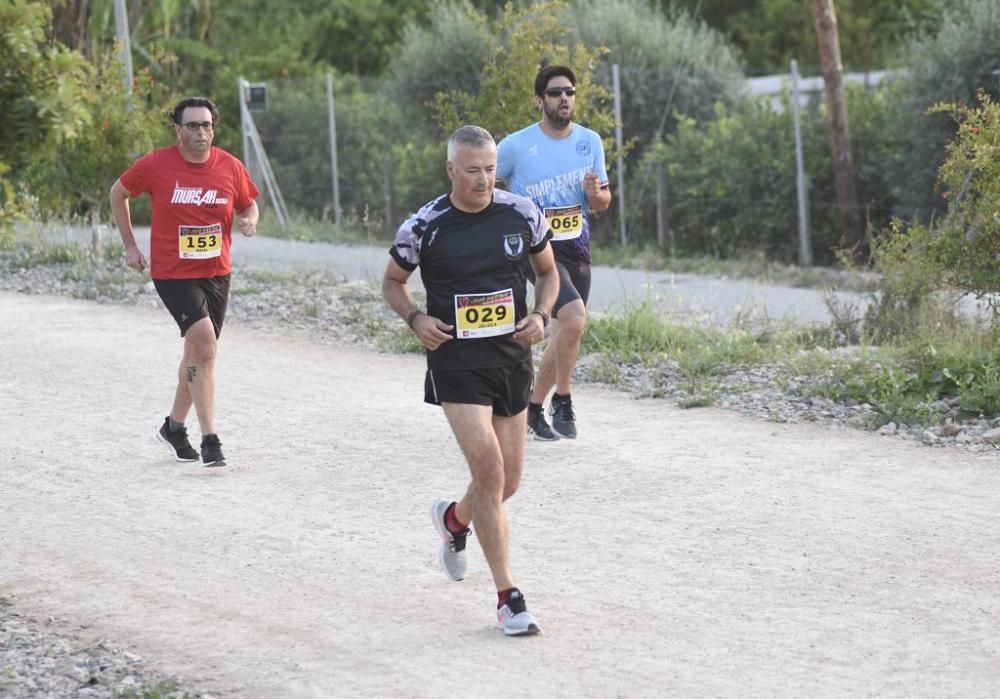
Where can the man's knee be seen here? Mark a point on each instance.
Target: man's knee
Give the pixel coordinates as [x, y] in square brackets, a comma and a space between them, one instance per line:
[510, 486]
[201, 346]
[572, 320]
[488, 481]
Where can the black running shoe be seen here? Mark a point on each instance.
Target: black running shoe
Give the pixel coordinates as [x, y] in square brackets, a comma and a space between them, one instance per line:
[538, 426]
[178, 442]
[563, 419]
[211, 451]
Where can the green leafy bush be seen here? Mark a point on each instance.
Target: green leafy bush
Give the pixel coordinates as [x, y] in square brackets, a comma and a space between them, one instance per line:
[961, 252]
[671, 64]
[949, 64]
[76, 177]
[731, 179]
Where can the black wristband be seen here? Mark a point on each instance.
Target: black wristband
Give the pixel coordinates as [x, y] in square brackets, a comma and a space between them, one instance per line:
[411, 315]
[544, 315]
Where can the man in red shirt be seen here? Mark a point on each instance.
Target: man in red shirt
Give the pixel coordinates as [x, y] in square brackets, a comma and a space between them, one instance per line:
[195, 189]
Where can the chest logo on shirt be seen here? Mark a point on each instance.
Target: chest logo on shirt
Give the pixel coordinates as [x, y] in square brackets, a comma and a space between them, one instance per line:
[513, 246]
[583, 149]
[199, 196]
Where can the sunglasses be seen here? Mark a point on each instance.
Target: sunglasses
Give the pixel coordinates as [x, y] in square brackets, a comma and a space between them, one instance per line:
[557, 91]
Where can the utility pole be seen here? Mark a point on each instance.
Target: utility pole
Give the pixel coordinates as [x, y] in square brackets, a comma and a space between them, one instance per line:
[843, 166]
[805, 237]
[122, 30]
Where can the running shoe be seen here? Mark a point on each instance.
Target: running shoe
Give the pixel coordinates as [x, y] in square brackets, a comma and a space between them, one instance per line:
[452, 556]
[177, 441]
[538, 426]
[514, 618]
[563, 419]
[211, 451]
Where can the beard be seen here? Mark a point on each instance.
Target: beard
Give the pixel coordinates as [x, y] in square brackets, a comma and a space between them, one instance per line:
[558, 120]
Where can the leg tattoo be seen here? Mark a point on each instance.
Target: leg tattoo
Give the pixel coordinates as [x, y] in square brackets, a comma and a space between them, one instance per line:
[192, 371]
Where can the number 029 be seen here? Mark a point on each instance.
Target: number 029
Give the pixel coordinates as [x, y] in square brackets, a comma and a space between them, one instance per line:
[485, 315]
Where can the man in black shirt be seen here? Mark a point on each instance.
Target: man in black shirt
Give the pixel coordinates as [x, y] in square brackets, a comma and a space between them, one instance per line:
[475, 246]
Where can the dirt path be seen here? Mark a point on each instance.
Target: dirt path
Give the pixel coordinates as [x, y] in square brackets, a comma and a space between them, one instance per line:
[689, 553]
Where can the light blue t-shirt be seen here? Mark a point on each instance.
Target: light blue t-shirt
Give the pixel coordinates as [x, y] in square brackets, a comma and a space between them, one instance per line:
[550, 172]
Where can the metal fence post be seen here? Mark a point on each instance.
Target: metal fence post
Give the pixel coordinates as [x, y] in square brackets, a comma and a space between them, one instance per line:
[805, 242]
[620, 143]
[334, 170]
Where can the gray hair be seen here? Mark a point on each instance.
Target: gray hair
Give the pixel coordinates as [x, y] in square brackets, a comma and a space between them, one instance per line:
[471, 136]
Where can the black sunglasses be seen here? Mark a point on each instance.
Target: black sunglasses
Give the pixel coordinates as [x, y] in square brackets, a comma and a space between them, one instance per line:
[557, 91]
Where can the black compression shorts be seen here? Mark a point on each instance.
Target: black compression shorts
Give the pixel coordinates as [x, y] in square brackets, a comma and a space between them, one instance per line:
[574, 283]
[190, 300]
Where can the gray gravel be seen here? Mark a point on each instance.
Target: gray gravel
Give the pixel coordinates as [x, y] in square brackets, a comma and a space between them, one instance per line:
[45, 658]
[49, 659]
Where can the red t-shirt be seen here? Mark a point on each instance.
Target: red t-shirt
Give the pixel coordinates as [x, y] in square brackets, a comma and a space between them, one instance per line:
[193, 206]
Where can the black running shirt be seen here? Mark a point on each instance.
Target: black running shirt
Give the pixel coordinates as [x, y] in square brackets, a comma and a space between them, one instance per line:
[474, 268]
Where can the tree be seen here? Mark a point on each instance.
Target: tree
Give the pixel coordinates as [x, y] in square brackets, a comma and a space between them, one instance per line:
[769, 33]
[949, 63]
[124, 125]
[503, 102]
[840, 143]
[41, 86]
[670, 64]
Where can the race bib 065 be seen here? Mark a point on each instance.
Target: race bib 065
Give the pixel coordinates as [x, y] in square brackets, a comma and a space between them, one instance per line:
[566, 222]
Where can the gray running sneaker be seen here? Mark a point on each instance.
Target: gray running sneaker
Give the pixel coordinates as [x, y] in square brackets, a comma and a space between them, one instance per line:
[211, 451]
[514, 618]
[452, 556]
[563, 418]
[177, 441]
[538, 426]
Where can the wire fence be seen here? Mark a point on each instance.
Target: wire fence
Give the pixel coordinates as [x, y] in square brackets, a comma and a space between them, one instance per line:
[387, 169]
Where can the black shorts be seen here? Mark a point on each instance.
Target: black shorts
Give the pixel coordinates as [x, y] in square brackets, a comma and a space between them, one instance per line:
[190, 300]
[505, 388]
[574, 284]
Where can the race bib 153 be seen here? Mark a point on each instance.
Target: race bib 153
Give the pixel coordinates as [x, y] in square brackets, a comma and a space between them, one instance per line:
[200, 242]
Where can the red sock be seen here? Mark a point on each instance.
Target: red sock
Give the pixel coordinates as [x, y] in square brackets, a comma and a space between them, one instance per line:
[451, 520]
[502, 595]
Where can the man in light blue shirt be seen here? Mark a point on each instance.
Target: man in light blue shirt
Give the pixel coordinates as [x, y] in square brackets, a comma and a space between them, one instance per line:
[560, 166]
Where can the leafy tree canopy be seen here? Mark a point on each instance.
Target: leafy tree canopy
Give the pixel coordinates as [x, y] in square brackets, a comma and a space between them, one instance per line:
[770, 33]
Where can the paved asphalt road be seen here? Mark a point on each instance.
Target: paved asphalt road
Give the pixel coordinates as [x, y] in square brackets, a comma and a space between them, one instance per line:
[613, 289]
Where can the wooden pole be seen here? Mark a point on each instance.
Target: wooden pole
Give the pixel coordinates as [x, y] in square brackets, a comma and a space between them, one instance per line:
[843, 166]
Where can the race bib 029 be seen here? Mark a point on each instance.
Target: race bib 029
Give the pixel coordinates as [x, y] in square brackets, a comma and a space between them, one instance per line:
[200, 242]
[484, 315]
[566, 222]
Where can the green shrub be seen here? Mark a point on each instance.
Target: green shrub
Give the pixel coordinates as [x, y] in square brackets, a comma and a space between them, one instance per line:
[673, 60]
[731, 180]
[447, 52]
[75, 178]
[949, 64]
[962, 252]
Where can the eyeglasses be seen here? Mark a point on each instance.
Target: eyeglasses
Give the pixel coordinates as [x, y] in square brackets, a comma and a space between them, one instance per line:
[195, 125]
[557, 91]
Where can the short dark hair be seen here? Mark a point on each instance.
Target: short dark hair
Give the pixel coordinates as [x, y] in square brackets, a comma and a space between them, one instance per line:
[471, 136]
[549, 72]
[178, 113]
